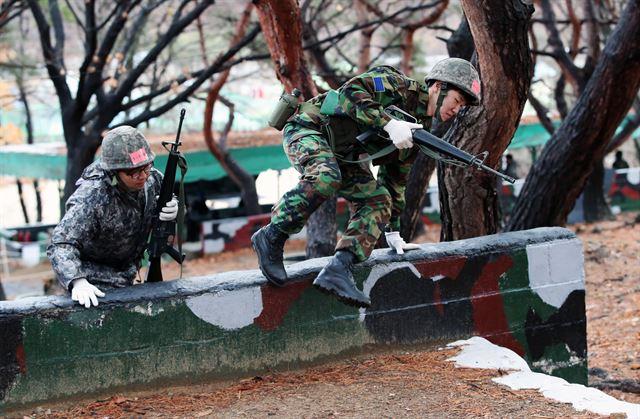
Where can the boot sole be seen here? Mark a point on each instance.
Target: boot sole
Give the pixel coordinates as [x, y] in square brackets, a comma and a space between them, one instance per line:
[269, 279]
[345, 300]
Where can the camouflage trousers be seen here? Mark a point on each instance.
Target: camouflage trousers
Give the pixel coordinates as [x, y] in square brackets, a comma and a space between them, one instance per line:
[322, 177]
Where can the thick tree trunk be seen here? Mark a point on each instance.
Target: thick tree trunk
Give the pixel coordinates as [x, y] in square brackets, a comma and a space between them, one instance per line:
[459, 45]
[365, 35]
[594, 204]
[320, 242]
[282, 28]
[78, 158]
[417, 186]
[406, 66]
[559, 175]
[468, 198]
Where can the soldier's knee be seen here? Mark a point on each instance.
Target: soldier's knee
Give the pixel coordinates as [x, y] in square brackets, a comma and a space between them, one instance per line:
[329, 180]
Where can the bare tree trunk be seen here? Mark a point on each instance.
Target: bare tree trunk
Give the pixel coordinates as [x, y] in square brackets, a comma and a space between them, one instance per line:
[460, 43]
[365, 36]
[243, 179]
[468, 199]
[594, 204]
[282, 28]
[29, 126]
[79, 156]
[324, 219]
[559, 175]
[417, 185]
[406, 65]
[22, 203]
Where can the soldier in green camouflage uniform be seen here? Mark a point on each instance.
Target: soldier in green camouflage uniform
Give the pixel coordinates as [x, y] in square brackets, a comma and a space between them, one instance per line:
[320, 142]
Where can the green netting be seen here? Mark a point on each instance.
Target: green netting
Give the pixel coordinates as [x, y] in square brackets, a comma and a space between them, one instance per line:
[529, 135]
[202, 165]
[24, 161]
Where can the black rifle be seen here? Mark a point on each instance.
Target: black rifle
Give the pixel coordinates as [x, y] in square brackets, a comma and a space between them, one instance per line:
[163, 232]
[436, 147]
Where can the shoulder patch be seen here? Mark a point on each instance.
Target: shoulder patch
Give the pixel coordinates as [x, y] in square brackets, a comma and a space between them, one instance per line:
[378, 84]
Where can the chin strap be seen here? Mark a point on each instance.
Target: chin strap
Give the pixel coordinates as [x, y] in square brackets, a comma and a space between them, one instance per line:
[444, 89]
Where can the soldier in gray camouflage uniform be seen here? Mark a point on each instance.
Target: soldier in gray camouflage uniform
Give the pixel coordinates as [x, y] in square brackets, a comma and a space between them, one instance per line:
[320, 141]
[102, 237]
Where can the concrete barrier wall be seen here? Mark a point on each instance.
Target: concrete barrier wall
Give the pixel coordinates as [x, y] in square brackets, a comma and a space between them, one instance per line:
[522, 290]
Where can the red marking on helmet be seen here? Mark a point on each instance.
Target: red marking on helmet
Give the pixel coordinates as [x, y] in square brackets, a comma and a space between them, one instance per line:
[138, 156]
[475, 87]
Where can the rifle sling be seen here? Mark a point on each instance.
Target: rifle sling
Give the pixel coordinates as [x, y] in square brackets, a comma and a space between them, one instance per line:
[182, 164]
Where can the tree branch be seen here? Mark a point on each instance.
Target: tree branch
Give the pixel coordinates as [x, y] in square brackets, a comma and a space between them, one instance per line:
[58, 30]
[215, 67]
[542, 112]
[56, 73]
[174, 30]
[569, 69]
[75, 15]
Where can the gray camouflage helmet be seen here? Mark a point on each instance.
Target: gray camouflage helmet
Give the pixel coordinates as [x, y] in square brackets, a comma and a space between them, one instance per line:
[125, 148]
[459, 73]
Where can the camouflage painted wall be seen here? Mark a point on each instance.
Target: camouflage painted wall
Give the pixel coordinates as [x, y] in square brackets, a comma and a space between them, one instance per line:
[523, 290]
[625, 189]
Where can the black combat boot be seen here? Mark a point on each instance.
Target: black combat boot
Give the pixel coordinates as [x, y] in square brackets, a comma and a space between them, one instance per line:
[337, 279]
[268, 243]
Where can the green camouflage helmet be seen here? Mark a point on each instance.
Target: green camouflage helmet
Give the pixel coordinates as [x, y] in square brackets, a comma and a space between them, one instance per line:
[459, 73]
[125, 148]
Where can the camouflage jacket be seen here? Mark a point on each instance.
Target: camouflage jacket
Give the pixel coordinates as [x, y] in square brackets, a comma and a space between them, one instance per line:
[359, 107]
[103, 234]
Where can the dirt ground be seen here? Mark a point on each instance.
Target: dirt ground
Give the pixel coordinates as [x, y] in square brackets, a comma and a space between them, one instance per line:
[415, 383]
[407, 384]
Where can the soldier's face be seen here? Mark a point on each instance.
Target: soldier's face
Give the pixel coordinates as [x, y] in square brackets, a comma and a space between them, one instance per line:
[451, 105]
[135, 179]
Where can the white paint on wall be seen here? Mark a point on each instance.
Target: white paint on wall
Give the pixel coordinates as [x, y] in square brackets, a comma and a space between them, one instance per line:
[633, 175]
[556, 269]
[478, 352]
[229, 310]
[229, 227]
[213, 245]
[232, 225]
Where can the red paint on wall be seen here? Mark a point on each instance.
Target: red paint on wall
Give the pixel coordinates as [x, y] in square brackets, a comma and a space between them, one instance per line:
[488, 308]
[21, 359]
[448, 267]
[276, 303]
[437, 298]
[242, 237]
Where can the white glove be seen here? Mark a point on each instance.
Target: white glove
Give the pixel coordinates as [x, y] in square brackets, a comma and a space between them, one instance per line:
[398, 244]
[400, 132]
[170, 211]
[85, 293]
